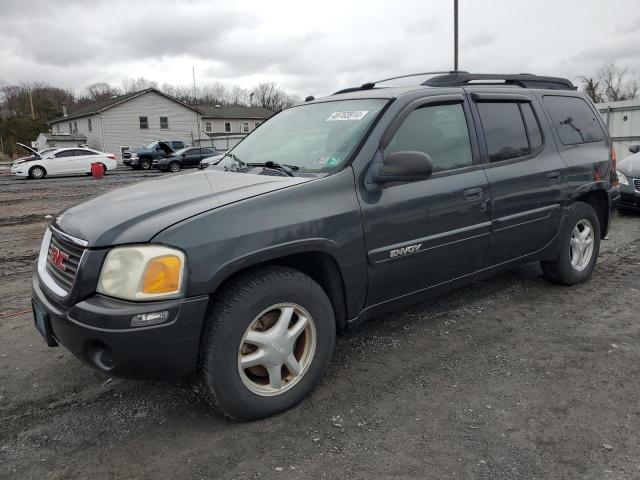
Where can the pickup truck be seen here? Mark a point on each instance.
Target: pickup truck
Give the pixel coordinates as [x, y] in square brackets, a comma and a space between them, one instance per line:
[240, 274]
[142, 158]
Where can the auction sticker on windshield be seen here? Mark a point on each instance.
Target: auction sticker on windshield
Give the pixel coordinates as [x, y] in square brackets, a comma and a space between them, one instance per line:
[350, 115]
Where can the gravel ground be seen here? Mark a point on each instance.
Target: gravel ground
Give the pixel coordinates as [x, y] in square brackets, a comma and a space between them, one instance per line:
[509, 378]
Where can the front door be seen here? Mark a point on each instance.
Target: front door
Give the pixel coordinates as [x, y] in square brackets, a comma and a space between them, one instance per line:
[422, 234]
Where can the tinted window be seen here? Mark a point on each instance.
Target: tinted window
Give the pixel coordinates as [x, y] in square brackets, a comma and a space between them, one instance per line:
[207, 151]
[177, 145]
[574, 120]
[144, 123]
[439, 131]
[504, 130]
[533, 127]
[66, 153]
[80, 153]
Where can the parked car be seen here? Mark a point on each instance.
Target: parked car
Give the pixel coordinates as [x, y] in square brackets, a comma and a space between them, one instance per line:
[629, 175]
[189, 157]
[242, 278]
[32, 153]
[142, 158]
[62, 161]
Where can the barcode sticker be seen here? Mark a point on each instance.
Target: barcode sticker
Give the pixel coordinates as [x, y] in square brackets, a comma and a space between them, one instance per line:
[350, 115]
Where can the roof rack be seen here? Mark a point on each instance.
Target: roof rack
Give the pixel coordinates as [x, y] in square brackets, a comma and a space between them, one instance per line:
[461, 78]
[524, 80]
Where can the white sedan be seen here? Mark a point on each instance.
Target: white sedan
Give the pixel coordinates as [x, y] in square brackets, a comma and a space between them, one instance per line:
[62, 161]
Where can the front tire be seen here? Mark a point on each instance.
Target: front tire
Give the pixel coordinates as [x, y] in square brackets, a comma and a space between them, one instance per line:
[268, 340]
[174, 167]
[145, 163]
[37, 173]
[580, 246]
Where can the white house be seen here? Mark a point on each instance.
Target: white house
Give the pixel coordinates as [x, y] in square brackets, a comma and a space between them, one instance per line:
[623, 121]
[136, 119]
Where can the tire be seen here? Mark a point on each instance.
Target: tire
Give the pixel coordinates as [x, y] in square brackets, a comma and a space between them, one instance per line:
[571, 266]
[144, 164]
[37, 173]
[174, 167]
[248, 304]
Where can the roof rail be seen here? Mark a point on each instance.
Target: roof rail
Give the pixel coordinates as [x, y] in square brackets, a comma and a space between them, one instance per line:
[524, 80]
[370, 85]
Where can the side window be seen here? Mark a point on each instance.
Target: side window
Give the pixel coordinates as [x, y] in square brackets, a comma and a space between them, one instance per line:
[439, 131]
[574, 120]
[227, 127]
[65, 153]
[144, 123]
[504, 130]
[82, 153]
[533, 127]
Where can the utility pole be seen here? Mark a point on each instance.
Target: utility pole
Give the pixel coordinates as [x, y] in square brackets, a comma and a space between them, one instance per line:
[195, 101]
[455, 35]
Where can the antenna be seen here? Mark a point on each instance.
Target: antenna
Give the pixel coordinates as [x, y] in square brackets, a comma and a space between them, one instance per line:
[195, 101]
[455, 35]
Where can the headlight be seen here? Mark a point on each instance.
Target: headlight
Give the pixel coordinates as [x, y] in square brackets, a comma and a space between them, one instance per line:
[622, 178]
[134, 155]
[145, 272]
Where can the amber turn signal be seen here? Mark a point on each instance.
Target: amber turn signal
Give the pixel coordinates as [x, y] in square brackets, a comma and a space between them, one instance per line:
[162, 275]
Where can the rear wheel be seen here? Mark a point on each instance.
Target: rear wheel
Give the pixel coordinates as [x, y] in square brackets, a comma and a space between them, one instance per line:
[174, 167]
[269, 338]
[580, 246]
[37, 172]
[145, 163]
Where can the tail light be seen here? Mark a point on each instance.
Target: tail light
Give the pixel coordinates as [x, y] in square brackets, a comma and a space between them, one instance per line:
[111, 156]
[614, 166]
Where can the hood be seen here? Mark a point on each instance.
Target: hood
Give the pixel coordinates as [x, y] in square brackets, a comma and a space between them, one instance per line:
[630, 165]
[33, 156]
[165, 147]
[29, 149]
[135, 214]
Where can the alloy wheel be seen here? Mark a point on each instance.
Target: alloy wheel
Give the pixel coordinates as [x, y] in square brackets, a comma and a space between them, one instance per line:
[581, 244]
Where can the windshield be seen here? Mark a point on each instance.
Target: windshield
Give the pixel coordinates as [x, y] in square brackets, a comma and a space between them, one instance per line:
[151, 146]
[314, 138]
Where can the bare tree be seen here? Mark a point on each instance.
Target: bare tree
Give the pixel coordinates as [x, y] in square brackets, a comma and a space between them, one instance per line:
[100, 91]
[131, 85]
[591, 87]
[617, 83]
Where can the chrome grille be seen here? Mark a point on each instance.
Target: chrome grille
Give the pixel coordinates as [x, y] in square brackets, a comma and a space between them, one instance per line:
[63, 259]
[636, 183]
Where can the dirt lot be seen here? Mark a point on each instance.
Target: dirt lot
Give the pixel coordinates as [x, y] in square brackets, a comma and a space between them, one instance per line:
[506, 379]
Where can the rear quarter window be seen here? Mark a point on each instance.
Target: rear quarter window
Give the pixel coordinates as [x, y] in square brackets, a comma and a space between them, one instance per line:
[574, 120]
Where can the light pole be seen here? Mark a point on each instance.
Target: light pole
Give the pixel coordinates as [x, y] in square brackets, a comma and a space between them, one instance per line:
[455, 35]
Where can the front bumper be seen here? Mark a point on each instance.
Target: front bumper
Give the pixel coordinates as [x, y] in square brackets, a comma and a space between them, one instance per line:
[97, 330]
[131, 162]
[629, 196]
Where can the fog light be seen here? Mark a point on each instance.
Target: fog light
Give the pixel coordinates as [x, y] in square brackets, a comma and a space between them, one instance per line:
[144, 319]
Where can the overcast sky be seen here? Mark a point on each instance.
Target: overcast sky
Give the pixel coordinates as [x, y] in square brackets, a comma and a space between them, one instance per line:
[309, 48]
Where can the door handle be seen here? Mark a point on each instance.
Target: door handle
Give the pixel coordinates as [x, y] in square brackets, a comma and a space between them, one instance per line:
[474, 193]
[553, 177]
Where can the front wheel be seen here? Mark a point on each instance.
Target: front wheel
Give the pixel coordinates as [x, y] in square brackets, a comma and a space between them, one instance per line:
[145, 164]
[580, 246]
[174, 167]
[37, 173]
[269, 339]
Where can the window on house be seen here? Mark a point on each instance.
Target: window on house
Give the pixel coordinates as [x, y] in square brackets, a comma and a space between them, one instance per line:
[574, 120]
[439, 131]
[89, 124]
[70, 127]
[256, 124]
[227, 127]
[164, 123]
[245, 127]
[144, 123]
[58, 128]
[75, 127]
[207, 127]
[504, 130]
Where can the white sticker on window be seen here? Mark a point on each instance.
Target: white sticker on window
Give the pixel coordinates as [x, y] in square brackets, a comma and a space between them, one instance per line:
[350, 115]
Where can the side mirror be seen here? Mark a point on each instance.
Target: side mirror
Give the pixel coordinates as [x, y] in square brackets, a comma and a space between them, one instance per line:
[203, 165]
[634, 148]
[403, 167]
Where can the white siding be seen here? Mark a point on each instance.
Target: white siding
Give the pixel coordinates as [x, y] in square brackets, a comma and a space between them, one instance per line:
[121, 123]
[217, 125]
[624, 124]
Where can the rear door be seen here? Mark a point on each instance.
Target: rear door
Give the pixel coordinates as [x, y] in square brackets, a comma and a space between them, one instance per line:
[83, 159]
[527, 177]
[424, 233]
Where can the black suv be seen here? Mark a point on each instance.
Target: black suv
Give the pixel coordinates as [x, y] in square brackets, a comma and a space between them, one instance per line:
[331, 212]
[143, 158]
[186, 158]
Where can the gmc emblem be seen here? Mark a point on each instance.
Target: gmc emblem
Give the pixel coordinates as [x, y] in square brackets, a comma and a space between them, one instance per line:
[58, 257]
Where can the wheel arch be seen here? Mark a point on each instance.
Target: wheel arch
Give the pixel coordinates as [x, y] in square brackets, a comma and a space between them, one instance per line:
[313, 259]
[597, 197]
[37, 165]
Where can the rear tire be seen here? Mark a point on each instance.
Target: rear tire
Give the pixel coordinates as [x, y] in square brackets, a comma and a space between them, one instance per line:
[37, 173]
[579, 247]
[285, 320]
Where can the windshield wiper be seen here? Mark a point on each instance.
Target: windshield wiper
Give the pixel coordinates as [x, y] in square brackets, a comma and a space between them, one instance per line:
[234, 158]
[288, 169]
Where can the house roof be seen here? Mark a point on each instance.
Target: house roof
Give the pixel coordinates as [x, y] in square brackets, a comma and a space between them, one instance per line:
[98, 107]
[232, 113]
[62, 137]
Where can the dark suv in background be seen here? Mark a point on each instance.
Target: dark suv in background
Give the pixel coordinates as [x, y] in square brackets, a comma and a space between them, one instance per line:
[142, 158]
[331, 212]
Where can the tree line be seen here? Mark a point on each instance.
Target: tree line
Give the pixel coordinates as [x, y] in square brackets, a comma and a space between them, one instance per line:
[611, 83]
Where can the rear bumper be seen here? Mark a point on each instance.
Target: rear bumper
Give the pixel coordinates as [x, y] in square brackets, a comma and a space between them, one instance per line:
[97, 331]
